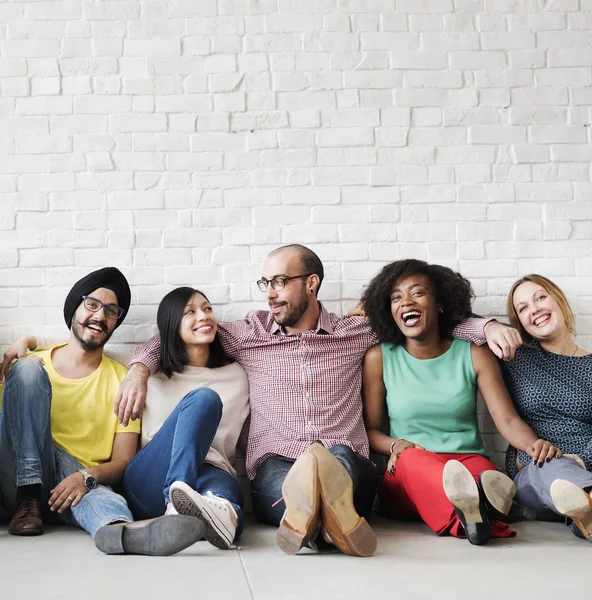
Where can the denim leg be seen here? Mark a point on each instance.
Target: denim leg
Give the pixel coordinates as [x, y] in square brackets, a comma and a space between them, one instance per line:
[175, 453]
[224, 485]
[266, 489]
[98, 507]
[363, 474]
[26, 450]
[533, 485]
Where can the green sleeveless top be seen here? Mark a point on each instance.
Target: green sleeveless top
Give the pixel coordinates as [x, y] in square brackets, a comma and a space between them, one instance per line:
[433, 402]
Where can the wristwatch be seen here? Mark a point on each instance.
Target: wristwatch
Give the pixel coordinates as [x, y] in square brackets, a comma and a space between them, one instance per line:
[90, 483]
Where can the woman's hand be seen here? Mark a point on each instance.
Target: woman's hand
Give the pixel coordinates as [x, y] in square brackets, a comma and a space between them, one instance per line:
[398, 448]
[131, 395]
[542, 451]
[67, 493]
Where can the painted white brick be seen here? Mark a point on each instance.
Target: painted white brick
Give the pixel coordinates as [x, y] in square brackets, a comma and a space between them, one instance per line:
[167, 131]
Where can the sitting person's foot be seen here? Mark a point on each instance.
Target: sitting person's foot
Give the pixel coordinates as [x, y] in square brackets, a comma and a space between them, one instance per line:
[27, 519]
[461, 489]
[573, 502]
[300, 492]
[341, 523]
[162, 536]
[170, 509]
[498, 492]
[217, 514]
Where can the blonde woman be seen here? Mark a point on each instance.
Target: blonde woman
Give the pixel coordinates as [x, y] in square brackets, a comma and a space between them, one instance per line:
[550, 380]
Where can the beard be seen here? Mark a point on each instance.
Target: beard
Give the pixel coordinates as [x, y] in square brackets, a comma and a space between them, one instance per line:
[89, 345]
[293, 312]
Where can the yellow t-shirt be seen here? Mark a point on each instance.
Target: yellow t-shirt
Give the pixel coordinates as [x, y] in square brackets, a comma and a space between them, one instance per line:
[82, 419]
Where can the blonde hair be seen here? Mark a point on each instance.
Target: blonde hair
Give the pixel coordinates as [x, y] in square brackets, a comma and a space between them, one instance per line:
[554, 291]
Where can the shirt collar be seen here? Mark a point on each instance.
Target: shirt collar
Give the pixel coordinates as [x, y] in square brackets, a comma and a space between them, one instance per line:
[323, 325]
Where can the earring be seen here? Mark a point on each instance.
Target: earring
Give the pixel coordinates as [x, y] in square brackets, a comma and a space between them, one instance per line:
[441, 310]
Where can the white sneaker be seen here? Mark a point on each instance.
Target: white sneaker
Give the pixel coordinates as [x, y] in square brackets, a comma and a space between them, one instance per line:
[170, 509]
[216, 513]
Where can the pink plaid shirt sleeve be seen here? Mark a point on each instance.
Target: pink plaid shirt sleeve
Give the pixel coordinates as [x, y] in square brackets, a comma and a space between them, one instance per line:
[472, 330]
[148, 354]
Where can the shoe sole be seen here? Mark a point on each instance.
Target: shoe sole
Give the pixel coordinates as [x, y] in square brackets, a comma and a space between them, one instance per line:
[573, 502]
[26, 532]
[300, 492]
[216, 533]
[499, 490]
[347, 530]
[162, 536]
[462, 491]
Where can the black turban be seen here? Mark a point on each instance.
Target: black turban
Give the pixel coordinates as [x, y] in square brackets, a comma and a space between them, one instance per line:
[110, 278]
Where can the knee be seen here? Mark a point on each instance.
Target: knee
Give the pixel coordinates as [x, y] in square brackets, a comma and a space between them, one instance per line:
[26, 374]
[411, 456]
[205, 399]
[27, 371]
[343, 452]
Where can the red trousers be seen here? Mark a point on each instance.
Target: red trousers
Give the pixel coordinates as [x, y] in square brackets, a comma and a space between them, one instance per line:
[415, 490]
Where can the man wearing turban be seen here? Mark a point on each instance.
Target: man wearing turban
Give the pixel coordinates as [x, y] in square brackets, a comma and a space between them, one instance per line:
[61, 446]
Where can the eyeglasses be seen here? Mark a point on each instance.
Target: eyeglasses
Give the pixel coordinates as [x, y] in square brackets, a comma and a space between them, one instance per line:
[112, 311]
[278, 283]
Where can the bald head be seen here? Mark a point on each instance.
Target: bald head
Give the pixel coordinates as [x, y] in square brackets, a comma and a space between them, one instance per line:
[309, 262]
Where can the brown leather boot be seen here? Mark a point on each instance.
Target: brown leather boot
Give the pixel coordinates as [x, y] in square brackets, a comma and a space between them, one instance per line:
[27, 518]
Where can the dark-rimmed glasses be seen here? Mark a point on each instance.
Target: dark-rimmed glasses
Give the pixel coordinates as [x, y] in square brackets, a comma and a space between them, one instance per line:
[112, 311]
[278, 283]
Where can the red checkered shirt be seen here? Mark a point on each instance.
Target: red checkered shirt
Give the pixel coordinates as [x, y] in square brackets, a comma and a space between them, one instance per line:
[304, 387]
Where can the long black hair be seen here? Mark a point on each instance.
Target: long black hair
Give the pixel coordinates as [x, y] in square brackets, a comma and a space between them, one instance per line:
[173, 357]
[453, 292]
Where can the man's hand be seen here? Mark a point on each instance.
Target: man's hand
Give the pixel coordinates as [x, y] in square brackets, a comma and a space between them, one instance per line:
[17, 350]
[357, 311]
[67, 493]
[502, 340]
[131, 395]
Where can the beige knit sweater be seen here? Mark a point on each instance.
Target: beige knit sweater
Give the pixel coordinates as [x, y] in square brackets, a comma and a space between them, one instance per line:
[230, 382]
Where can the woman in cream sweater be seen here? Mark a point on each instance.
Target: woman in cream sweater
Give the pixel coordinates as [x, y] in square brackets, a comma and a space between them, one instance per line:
[195, 409]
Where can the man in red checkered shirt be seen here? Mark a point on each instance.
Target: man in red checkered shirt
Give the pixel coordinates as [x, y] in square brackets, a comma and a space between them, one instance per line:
[307, 453]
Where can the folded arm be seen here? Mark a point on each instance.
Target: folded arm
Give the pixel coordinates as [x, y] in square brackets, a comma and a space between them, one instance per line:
[71, 489]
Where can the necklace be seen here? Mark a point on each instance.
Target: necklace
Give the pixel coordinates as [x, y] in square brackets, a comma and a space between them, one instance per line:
[574, 352]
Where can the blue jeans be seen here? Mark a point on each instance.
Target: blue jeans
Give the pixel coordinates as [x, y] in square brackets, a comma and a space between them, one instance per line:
[177, 453]
[266, 487]
[28, 456]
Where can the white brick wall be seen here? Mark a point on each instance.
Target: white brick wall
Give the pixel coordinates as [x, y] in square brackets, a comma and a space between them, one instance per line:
[182, 140]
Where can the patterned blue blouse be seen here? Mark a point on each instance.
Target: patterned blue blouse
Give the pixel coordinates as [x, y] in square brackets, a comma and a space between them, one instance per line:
[553, 394]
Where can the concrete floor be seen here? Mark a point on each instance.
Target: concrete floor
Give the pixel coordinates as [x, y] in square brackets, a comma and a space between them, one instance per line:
[544, 561]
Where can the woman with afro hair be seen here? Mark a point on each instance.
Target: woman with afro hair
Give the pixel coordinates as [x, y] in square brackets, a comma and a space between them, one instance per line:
[437, 466]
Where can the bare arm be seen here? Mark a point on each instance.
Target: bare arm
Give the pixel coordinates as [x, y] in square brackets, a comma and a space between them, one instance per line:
[125, 446]
[131, 396]
[374, 394]
[18, 349]
[72, 489]
[501, 408]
